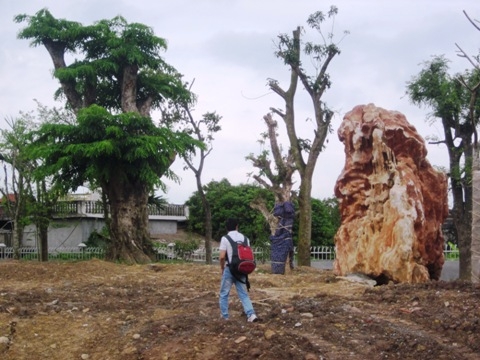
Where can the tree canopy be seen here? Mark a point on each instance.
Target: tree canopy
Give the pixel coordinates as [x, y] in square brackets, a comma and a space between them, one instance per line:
[117, 64]
[458, 109]
[100, 147]
[228, 200]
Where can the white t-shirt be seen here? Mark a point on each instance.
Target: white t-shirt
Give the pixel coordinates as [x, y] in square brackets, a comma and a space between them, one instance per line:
[225, 244]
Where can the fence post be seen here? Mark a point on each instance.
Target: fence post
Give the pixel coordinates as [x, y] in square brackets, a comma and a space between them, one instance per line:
[2, 250]
[82, 247]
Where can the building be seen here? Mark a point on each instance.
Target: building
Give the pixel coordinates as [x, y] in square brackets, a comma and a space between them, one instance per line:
[79, 215]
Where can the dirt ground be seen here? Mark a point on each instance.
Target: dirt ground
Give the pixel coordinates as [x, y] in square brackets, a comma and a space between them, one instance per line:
[100, 310]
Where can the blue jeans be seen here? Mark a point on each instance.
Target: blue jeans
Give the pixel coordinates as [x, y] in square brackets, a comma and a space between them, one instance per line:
[227, 281]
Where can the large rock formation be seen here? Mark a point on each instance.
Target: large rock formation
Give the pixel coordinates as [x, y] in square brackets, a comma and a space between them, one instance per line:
[392, 201]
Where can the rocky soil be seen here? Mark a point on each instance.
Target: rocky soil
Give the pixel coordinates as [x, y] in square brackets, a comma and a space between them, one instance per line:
[100, 310]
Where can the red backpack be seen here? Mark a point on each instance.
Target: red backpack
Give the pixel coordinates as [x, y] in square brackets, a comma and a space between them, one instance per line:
[243, 261]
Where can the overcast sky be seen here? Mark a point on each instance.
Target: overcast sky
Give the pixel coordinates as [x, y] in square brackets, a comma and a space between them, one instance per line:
[227, 47]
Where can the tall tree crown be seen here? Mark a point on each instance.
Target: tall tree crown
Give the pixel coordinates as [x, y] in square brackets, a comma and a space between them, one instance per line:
[117, 64]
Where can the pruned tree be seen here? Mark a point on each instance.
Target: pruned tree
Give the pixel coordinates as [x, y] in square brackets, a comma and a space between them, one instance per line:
[305, 152]
[276, 177]
[458, 109]
[113, 86]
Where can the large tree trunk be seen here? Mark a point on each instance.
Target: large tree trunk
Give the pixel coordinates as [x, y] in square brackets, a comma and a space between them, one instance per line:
[475, 247]
[130, 240]
[304, 222]
[462, 211]
[463, 224]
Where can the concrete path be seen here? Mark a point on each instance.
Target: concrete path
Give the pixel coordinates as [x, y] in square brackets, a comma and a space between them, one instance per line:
[450, 269]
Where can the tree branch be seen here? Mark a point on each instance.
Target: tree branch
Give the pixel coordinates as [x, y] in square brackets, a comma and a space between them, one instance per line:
[463, 54]
[56, 50]
[471, 21]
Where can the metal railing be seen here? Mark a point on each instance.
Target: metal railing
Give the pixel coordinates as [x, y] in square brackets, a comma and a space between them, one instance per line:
[317, 253]
[96, 207]
[64, 253]
[451, 253]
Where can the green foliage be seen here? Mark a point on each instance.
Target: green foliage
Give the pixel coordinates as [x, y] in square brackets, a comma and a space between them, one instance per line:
[455, 101]
[103, 52]
[98, 239]
[227, 201]
[17, 170]
[43, 27]
[184, 248]
[453, 252]
[116, 79]
[435, 88]
[320, 54]
[159, 203]
[325, 221]
[111, 55]
[101, 146]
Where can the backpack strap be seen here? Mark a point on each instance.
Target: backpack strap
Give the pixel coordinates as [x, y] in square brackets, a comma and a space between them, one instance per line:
[235, 251]
[234, 245]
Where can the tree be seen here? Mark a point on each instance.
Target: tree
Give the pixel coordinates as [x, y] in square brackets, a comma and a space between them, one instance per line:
[278, 178]
[203, 130]
[459, 113]
[325, 221]
[229, 201]
[305, 152]
[44, 193]
[26, 200]
[114, 144]
[16, 193]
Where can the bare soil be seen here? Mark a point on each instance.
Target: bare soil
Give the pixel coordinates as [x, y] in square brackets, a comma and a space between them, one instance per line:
[100, 310]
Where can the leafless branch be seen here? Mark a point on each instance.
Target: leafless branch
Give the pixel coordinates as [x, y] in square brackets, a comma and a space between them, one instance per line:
[472, 21]
[463, 54]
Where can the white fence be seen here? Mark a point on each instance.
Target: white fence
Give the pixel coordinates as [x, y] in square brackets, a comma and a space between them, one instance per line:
[64, 253]
[261, 254]
[317, 253]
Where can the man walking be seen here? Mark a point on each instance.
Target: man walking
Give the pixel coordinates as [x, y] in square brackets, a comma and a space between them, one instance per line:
[228, 279]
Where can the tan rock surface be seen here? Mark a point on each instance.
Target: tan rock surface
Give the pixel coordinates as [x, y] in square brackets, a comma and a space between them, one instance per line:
[392, 201]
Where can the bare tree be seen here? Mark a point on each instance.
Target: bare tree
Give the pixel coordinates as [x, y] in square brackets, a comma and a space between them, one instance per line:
[203, 131]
